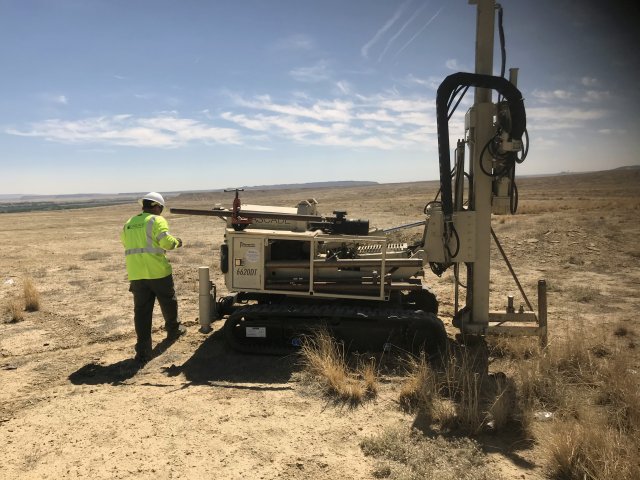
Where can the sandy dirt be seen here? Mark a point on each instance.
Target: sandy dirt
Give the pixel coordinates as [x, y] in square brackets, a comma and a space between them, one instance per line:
[73, 404]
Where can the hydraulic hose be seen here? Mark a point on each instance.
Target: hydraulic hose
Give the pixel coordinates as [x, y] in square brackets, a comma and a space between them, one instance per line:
[446, 88]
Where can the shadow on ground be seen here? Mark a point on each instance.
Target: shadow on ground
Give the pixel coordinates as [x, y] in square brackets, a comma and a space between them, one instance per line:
[214, 361]
[116, 373]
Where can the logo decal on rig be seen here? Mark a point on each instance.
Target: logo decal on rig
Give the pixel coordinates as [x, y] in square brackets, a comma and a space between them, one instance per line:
[252, 255]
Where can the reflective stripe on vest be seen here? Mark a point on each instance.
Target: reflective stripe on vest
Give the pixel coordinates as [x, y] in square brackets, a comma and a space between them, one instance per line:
[132, 251]
[162, 235]
[149, 248]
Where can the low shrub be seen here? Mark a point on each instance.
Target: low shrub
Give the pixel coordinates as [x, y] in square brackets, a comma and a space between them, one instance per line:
[31, 296]
[323, 359]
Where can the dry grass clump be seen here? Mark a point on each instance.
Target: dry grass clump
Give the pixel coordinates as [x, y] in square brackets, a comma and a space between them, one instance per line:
[31, 296]
[323, 359]
[590, 450]
[409, 455]
[94, 255]
[420, 388]
[514, 348]
[583, 293]
[15, 312]
[619, 394]
[460, 398]
[594, 400]
[462, 383]
[30, 302]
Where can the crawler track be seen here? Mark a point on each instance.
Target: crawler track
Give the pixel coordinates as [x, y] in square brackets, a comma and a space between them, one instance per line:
[279, 329]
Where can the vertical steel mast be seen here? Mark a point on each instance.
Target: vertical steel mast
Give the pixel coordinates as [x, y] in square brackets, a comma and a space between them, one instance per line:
[481, 131]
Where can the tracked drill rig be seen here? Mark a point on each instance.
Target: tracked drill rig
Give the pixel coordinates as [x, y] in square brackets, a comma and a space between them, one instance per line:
[291, 270]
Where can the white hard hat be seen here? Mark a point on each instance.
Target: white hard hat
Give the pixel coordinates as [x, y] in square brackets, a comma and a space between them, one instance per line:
[154, 197]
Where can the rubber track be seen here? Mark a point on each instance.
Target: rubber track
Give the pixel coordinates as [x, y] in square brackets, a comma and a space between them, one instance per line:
[410, 319]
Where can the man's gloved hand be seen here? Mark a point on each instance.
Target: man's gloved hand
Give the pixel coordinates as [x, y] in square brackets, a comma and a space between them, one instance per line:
[179, 242]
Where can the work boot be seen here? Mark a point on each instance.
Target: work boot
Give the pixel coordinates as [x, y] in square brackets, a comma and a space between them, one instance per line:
[142, 359]
[177, 332]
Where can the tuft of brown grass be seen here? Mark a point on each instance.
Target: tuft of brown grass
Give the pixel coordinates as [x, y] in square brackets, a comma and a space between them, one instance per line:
[94, 255]
[594, 395]
[15, 312]
[461, 398]
[501, 410]
[463, 383]
[514, 348]
[583, 293]
[324, 361]
[31, 296]
[619, 394]
[589, 450]
[419, 391]
[409, 455]
[367, 371]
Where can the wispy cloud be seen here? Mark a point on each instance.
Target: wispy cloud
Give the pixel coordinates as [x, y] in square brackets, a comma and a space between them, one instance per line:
[589, 81]
[548, 96]
[54, 98]
[571, 96]
[316, 73]
[419, 31]
[164, 131]
[381, 121]
[596, 96]
[343, 87]
[453, 64]
[431, 82]
[294, 42]
[561, 118]
[402, 28]
[388, 24]
[320, 110]
[611, 131]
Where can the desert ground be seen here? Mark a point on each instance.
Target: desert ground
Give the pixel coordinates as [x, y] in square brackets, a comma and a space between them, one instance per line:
[74, 405]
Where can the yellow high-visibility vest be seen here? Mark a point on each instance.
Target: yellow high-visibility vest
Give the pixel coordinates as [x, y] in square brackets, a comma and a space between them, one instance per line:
[145, 238]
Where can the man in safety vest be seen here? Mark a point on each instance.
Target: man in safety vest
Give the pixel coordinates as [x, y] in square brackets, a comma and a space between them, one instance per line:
[145, 238]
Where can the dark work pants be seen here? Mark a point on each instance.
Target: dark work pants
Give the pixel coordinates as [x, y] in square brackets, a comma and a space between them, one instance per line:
[145, 293]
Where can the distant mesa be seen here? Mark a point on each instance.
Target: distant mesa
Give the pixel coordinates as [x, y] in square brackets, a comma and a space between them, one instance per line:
[29, 202]
[286, 186]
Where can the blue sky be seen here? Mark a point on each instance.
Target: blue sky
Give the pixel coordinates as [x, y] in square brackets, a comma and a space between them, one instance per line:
[119, 96]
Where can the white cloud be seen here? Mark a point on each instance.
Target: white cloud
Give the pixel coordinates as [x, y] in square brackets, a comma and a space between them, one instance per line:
[382, 121]
[402, 28]
[407, 104]
[343, 87]
[431, 82]
[548, 96]
[294, 42]
[54, 98]
[611, 131]
[379, 116]
[419, 31]
[163, 131]
[453, 64]
[315, 73]
[321, 110]
[388, 24]
[589, 81]
[562, 118]
[596, 96]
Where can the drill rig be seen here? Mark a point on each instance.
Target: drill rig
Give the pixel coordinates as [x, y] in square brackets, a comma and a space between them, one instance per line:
[291, 270]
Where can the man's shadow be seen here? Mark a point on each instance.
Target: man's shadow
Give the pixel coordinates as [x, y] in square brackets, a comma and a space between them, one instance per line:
[116, 373]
